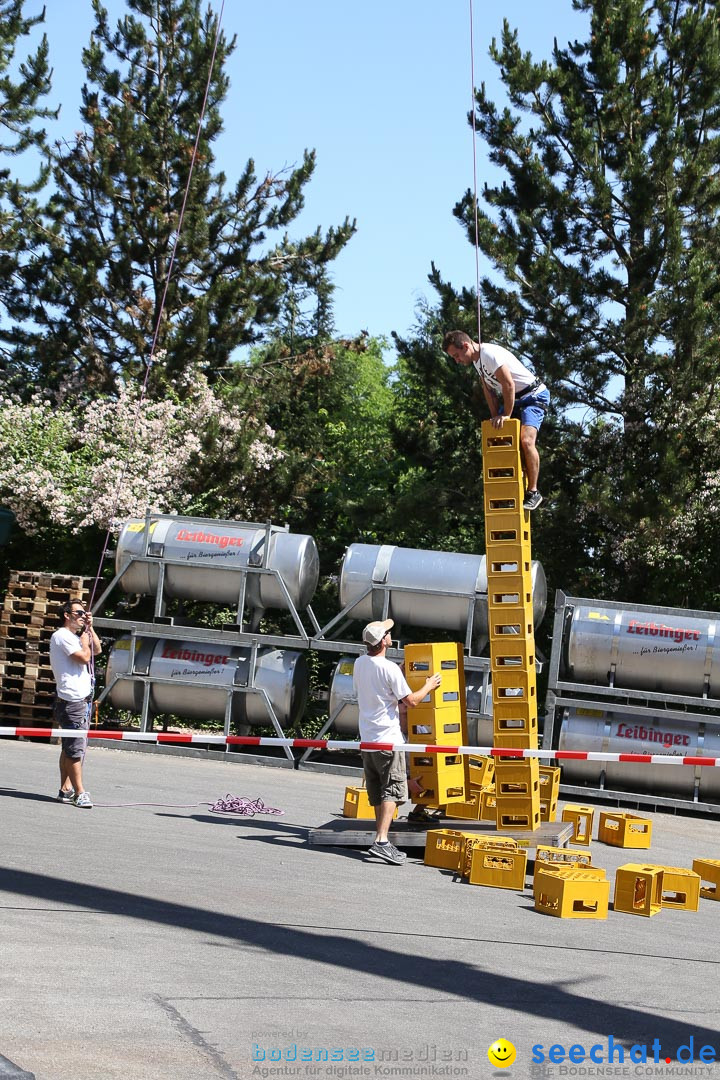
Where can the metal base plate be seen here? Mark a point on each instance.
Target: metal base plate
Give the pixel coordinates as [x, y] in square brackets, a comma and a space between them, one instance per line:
[360, 832]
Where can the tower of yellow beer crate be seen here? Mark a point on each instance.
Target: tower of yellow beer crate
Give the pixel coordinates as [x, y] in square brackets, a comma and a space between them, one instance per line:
[439, 720]
[510, 618]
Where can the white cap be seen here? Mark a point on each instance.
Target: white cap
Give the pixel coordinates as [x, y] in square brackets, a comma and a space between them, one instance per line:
[374, 632]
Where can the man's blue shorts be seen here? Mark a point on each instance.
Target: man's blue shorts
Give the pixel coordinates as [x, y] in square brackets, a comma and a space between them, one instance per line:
[531, 410]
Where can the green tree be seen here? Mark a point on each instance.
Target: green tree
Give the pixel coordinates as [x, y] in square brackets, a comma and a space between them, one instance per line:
[329, 408]
[116, 210]
[605, 238]
[24, 83]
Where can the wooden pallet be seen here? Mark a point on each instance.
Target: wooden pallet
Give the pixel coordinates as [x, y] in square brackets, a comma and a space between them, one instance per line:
[39, 580]
[40, 715]
[28, 619]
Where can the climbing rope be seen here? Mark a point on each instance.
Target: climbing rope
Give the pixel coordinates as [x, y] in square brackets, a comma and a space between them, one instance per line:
[158, 322]
[475, 189]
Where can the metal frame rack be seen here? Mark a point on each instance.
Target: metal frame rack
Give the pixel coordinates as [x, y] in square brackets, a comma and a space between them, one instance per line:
[565, 694]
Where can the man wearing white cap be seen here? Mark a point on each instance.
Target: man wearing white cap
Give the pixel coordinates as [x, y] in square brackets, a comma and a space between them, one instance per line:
[380, 687]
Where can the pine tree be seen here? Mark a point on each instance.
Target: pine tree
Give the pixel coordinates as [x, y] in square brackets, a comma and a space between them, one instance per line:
[606, 236]
[23, 85]
[120, 188]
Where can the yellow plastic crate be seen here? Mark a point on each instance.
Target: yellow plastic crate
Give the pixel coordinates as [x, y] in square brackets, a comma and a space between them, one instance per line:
[680, 889]
[568, 893]
[445, 848]
[547, 857]
[518, 812]
[709, 871]
[437, 727]
[624, 830]
[492, 843]
[470, 809]
[481, 771]
[488, 804]
[498, 869]
[581, 819]
[356, 804]
[442, 658]
[638, 889]
[518, 779]
[442, 777]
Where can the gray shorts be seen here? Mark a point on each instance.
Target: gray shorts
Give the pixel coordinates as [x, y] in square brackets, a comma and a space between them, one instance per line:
[385, 776]
[73, 714]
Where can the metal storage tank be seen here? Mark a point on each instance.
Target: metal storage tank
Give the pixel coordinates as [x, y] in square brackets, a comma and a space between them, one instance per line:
[427, 588]
[204, 546]
[642, 650]
[478, 698]
[594, 730]
[201, 673]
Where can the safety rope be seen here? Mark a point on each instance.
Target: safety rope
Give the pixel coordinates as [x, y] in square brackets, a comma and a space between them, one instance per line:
[156, 333]
[475, 189]
[158, 322]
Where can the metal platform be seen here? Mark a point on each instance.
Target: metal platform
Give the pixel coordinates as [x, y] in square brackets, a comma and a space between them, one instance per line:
[360, 832]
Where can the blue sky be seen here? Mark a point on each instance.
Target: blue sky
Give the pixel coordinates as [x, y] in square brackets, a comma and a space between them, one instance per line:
[381, 90]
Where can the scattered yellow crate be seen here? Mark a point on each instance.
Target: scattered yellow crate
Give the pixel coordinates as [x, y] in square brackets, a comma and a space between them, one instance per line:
[494, 843]
[356, 804]
[445, 848]
[680, 889]
[624, 830]
[581, 819]
[547, 857]
[709, 871]
[638, 889]
[568, 893]
[498, 869]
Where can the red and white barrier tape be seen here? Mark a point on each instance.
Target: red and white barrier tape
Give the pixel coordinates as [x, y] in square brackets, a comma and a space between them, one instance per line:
[337, 744]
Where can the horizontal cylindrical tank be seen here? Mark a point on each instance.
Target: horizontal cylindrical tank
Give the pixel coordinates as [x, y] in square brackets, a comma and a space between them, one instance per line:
[214, 555]
[201, 674]
[478, 694]
[426, 588]
[620, 733]
[671, 653]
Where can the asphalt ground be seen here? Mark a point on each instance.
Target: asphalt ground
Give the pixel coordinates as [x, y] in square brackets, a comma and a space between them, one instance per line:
[164, 942]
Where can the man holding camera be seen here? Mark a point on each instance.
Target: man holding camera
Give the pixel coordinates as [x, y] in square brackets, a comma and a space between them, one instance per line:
[72, 649]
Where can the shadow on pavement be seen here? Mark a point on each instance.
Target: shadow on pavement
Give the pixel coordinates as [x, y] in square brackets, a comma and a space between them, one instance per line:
[457, 978]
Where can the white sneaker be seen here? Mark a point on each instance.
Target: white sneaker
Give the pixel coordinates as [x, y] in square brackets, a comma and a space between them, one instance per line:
[82, 800]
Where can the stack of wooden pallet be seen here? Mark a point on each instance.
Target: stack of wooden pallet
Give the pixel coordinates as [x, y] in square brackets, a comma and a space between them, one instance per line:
[29, 617]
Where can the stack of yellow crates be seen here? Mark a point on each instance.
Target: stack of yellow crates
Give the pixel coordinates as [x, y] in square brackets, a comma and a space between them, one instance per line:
[512, 637]
[439, 720]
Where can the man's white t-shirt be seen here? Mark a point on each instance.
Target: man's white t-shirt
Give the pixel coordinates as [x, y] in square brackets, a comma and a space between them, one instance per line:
[379, 685]
[73, 679]
[494, 356]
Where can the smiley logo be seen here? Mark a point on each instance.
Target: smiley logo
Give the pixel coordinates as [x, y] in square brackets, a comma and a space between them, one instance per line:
[502, 1053]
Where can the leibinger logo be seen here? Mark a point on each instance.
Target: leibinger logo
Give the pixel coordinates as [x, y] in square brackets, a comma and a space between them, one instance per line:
[612, 1059]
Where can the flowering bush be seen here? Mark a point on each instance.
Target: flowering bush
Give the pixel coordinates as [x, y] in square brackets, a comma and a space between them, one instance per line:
[79, 465]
